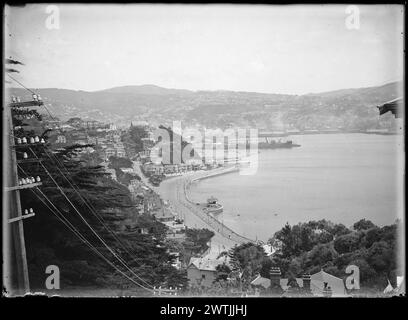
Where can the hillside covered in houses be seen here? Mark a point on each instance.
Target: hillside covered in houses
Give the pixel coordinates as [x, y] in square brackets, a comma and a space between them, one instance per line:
[95, 163]
[348, 109]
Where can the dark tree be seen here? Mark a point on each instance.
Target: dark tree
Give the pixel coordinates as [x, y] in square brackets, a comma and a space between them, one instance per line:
[363, 224]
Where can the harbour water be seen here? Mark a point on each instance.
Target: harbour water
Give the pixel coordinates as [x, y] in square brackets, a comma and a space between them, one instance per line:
[338, 177]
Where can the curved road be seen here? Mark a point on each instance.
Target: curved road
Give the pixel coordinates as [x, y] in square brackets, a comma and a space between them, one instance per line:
[175, 191]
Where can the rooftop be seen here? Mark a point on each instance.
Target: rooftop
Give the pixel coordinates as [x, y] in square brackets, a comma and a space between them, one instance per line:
[207, 264]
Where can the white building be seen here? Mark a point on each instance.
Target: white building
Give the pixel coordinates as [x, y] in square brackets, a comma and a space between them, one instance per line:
[61, 139]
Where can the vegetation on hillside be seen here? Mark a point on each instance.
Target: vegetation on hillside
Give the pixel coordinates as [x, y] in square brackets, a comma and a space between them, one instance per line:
[118, 162]
[351, 109]
[132, 139]
[315, 245]
[97, 208]
[195, 244]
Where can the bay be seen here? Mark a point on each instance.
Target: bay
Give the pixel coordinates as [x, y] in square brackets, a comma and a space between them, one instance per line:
[338, 177]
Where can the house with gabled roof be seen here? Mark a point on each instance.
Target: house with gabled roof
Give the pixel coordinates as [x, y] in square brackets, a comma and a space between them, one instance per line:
[319, 284]
[202, 271]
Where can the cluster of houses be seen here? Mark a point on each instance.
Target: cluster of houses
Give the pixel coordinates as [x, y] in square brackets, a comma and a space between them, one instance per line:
[202, 272]
[143, 198]
[148, 202]
[105, 138]
[106, 141]
[150, 168]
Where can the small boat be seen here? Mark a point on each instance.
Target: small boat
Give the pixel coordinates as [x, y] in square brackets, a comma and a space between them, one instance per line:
[212, 206]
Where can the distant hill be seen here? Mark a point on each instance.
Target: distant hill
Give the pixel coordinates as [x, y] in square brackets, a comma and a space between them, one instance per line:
[386, 89]
[147, 89]
[347, 108]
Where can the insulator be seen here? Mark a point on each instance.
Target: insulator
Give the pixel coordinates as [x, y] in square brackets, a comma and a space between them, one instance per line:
[31, 210]
[38, 179]
[25, 211]
[23, 181]
[18, 99]
[31, 140]
[39, 98]
[42, 140]
[18, 141]
[20, 182]
[34, 97]
[24, 140]
[25, 156]
[32, 179]
[36, 139]
[13, 99]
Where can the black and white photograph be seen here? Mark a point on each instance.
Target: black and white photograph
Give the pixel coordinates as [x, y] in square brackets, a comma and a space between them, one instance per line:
[203, 151]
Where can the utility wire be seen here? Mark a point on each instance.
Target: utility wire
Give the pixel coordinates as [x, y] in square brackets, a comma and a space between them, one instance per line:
[90, 207]
[69, 225]
[62, 192]
[81, 237]
[21, 84]
[52, 117]
[86, 222]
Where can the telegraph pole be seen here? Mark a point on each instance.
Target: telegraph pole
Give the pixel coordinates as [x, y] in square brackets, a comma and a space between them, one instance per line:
[16, 278]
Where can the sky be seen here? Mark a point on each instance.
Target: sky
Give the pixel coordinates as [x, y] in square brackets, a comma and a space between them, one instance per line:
[273, 49]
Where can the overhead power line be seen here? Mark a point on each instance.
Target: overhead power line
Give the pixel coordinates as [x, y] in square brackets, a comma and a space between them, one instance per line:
[86, 222]
[91, 209]
[69, 225]
[21, 84]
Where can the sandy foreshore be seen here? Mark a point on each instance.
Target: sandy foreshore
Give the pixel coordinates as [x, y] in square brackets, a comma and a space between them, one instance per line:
[175, 191]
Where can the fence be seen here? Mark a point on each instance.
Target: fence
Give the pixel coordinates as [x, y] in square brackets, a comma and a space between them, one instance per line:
[159, 291]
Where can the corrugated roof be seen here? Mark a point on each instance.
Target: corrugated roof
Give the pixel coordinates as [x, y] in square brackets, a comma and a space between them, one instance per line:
[206, 264]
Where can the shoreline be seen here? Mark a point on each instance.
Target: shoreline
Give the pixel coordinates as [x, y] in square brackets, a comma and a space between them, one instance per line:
[175, 191]
[223, 170]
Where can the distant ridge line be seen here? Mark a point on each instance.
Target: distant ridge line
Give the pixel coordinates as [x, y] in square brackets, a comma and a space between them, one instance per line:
[155, 89]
